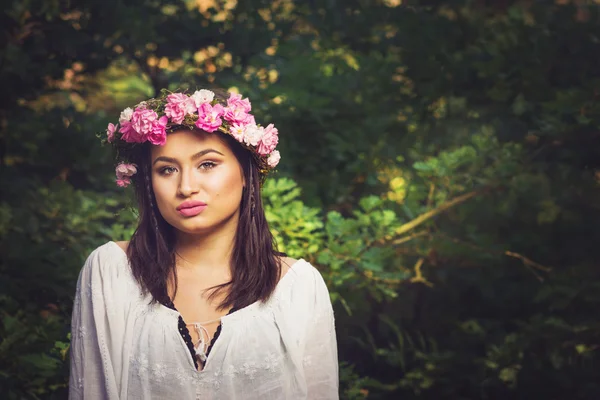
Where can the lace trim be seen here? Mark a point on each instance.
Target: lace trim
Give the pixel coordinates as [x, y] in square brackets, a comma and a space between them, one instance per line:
[184, 332]
[215, 336]
[187, 338]
[218, 333]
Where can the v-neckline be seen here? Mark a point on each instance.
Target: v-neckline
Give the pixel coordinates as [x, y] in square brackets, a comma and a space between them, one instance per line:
[187, 337]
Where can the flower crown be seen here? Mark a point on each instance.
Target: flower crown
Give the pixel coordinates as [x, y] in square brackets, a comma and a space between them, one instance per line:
[150, 121]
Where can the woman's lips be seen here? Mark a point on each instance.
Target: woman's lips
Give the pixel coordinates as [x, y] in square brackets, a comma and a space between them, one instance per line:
[191, 208]
[192, 211]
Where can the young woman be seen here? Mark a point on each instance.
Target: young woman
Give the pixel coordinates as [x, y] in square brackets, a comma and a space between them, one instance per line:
[199, 304]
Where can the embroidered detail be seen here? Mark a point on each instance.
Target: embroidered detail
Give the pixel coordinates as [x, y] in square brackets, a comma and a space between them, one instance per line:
[93, 292]
[141, 365]
[214, 380]
[307, 361]
[161, 373]
[77, 300]
[271, 362]
[229, 371]
[249, 369]
[82, 332]
[181, 377]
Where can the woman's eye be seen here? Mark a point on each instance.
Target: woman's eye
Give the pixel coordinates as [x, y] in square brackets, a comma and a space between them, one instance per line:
[207, 165]
[166, 171]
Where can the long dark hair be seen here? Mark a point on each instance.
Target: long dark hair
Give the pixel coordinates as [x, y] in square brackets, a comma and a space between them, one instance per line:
[255, 266]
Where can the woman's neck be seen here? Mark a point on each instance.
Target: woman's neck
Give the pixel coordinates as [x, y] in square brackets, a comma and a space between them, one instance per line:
[206, 252]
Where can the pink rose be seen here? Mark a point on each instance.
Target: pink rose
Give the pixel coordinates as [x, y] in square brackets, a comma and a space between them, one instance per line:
[235, 101]
[142, 121]
[110, 132]
[209, 117]
[130, 135]
[178, 106]
[237, 109]
[158, 134]
[269, 140]
[237, 115]
[273, 159]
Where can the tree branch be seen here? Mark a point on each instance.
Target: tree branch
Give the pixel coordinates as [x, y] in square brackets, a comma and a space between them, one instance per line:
[438, 210]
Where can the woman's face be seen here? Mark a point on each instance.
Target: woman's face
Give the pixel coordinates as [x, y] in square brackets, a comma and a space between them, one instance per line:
[197, 182]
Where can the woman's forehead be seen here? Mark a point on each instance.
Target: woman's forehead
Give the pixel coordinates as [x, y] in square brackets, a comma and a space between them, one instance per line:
[186, 143]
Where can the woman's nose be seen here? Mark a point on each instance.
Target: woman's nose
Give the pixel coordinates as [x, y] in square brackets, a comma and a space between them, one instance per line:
[188, 184]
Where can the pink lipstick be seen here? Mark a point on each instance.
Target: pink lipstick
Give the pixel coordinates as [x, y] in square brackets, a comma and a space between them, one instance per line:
[191, 208]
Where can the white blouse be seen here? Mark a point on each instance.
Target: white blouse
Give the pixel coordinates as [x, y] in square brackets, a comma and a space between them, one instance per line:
[124, 348]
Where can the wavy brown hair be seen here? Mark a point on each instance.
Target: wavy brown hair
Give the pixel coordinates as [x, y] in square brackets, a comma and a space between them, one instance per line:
[255, 266]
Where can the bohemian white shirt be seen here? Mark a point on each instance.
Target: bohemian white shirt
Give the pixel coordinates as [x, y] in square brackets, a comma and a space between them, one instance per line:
[123, 347]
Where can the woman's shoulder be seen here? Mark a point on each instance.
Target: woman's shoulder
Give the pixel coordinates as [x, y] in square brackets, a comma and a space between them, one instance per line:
[122, 244]
[107, 279]
[286, 263]
[302, 294]
[107, 261]
[109, 251]
[302, 279]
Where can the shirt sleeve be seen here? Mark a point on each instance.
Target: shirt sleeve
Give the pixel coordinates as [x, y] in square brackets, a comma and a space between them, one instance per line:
[97, 331]
[319, 345]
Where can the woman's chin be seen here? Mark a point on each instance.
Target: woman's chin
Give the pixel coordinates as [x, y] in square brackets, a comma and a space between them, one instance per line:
[195, 228]
[198, 227]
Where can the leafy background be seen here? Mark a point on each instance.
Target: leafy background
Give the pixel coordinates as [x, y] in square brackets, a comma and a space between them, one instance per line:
[441, 168]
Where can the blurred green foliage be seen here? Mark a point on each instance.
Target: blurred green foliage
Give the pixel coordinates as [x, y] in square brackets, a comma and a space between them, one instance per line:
[440, 167]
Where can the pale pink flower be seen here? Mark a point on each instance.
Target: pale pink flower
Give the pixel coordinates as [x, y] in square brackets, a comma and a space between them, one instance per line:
[202, 96]
[110, 132]
[253, 134]
[237, 109]
[237, 131]
[158, 134]
[273, 159]
[269, 140]
[126, 115]
[209, 117]
[178, 106]
[125, 171]
[123, 182]
[142, 121]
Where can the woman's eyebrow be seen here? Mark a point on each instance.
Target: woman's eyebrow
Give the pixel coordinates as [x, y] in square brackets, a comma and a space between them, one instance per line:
[194, 157]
